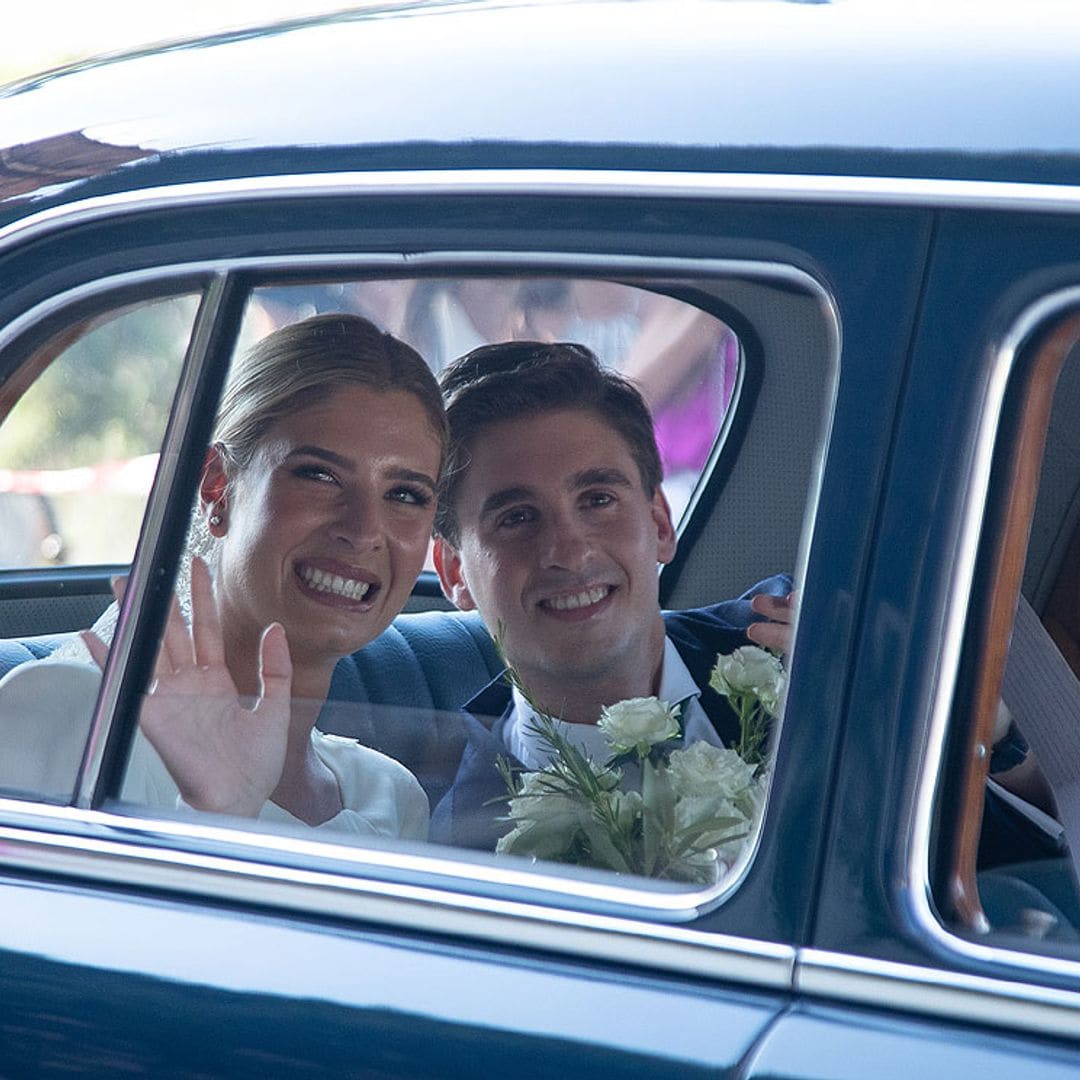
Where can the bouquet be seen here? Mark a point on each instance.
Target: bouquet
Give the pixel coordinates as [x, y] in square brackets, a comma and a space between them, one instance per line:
[682, 814]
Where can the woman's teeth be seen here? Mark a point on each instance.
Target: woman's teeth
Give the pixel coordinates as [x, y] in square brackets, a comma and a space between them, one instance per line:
[321, 581]
[578, 600]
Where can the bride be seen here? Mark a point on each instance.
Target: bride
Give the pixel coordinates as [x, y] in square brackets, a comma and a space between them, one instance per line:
[315, 510]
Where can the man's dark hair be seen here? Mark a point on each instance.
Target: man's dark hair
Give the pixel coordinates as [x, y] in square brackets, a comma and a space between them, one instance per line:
[519, 379]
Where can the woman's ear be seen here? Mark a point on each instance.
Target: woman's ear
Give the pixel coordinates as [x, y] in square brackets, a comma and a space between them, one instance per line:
[448, 567]
[213, 490]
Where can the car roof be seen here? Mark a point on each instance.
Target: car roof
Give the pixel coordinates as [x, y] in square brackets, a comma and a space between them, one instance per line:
[843, 88]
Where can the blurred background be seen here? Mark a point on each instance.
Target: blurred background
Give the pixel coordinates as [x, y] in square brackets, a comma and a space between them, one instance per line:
[43, 34]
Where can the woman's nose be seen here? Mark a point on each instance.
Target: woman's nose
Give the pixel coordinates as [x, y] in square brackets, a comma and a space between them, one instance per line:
[358, 522]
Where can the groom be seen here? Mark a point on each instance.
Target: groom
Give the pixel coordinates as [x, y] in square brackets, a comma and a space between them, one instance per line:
[552, 524]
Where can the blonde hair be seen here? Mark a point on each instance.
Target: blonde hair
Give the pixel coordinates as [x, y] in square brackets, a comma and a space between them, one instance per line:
[302, 364]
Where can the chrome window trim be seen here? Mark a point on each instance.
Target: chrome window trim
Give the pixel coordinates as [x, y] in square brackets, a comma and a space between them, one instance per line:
[755, 187]
[915, 894]
[594, 900]
[972, 999]
[111, 857]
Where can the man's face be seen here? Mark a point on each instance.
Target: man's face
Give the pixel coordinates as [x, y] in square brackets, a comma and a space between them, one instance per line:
[559, 545]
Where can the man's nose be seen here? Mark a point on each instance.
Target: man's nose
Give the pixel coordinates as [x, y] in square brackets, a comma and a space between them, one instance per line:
[567, 542]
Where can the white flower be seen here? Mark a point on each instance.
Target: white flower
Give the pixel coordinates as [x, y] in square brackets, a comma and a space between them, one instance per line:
[709, 771]
[750, 670]
[638, 724]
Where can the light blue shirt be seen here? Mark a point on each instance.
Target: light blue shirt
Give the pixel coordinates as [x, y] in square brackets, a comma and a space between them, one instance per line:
[676, 685]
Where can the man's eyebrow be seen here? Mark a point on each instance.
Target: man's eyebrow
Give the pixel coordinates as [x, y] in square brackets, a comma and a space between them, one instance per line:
[610, 477]
[498, 499]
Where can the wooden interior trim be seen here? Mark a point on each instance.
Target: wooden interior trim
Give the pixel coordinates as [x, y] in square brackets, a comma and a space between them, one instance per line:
[1005, 580]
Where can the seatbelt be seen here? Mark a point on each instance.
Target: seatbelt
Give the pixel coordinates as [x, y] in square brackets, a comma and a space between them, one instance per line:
[1043, 695]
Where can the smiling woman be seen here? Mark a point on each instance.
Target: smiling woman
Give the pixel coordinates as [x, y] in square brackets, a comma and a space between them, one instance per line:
[316, 501]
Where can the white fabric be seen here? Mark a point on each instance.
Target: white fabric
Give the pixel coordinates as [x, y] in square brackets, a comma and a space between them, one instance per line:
[676, 685]
[45, 713]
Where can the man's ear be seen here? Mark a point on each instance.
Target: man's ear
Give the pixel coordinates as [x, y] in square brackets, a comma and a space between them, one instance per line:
[666, 540]
[448, 567]
[213, 490]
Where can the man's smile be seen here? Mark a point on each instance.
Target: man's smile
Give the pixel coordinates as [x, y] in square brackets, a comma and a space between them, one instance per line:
[584, 600]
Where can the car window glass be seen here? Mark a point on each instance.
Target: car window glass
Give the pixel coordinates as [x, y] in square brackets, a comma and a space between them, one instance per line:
[1010, 827]
[78, 451]
[390, 737]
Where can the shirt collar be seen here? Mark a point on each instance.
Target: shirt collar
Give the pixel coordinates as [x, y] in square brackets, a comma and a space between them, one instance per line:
[676, 685]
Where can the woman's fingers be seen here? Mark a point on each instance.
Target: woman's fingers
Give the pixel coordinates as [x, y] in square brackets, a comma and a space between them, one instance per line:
[176, 651]
[275, 665]
[99, 651]
[206, 636]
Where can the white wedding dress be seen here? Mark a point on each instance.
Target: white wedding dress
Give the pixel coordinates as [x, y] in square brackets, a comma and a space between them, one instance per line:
[45, 712]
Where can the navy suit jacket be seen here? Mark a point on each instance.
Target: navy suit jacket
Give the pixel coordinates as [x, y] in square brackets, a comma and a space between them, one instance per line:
[467, 816]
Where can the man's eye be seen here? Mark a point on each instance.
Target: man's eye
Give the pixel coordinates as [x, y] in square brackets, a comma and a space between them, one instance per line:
[521, 515]
[409, 496]
[599, 498]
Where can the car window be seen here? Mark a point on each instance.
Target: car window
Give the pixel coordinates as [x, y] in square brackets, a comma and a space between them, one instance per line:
[1008, 808]
[78, 449]
[667, 792]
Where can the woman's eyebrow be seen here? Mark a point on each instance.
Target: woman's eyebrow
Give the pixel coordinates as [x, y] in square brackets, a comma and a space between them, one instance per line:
[411, 475]
[309, 450]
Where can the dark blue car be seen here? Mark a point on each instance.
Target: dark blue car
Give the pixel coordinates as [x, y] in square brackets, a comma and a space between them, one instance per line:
[872, 216]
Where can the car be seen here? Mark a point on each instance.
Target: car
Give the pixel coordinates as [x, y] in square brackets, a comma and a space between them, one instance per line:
[877, 217]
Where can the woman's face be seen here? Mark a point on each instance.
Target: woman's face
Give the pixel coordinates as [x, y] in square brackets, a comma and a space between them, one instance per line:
[327, 528]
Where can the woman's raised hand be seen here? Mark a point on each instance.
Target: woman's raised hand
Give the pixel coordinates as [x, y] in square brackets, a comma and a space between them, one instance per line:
[223, 756]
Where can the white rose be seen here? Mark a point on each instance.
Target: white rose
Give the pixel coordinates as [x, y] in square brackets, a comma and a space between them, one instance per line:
[639, 724]
[750, 670]
[709, 771]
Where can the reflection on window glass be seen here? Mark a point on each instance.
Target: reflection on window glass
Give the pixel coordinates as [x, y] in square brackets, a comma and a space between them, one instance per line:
[79, 451]
[685, 361]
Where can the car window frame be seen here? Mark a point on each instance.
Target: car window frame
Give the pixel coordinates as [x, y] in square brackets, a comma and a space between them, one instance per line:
[621, 908]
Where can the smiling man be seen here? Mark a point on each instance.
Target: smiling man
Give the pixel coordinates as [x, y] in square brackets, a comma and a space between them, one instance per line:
[553, 525]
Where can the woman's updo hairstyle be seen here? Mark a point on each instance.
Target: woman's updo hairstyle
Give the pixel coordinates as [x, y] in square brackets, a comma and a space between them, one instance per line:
[302, 364]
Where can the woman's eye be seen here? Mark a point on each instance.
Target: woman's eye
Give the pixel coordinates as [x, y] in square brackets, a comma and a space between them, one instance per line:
[410, 496]
[316, 472]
